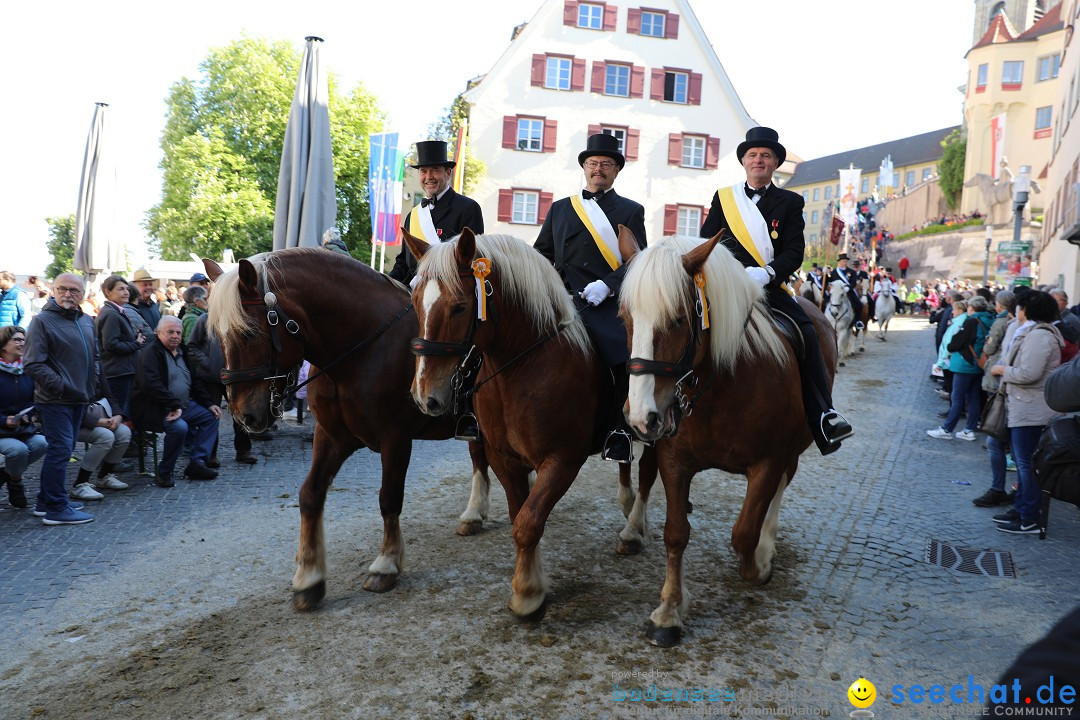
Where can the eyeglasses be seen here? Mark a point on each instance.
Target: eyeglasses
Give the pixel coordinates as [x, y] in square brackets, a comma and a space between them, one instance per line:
[593, 164]
[67, 291]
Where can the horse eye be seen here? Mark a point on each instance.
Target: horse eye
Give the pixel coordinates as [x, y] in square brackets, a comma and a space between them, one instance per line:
[458, 309]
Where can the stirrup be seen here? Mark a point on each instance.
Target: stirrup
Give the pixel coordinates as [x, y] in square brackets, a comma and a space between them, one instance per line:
[466, 428]
[839, 425]
[618, 446]
[859, 325]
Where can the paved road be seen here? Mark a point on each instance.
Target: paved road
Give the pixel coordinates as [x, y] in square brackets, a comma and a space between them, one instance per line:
[852, 594]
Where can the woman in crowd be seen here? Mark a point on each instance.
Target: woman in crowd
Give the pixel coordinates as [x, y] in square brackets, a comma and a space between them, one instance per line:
[959, 307]
[1034, 353]
[19, 442]
[1005, 304]
[119, 340]
[967, 334]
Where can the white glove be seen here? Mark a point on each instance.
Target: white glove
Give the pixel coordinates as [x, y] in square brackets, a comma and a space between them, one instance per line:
[414, 282]
[596, 292]
[758, 275]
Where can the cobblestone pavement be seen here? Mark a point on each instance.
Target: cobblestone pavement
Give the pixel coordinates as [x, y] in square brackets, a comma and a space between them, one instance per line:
[94, 614]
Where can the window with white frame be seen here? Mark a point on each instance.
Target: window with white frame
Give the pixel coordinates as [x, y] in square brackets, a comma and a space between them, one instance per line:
[693, 151]
[676, 85]
[1043, 117]
[530, 134]
[926, 172]
[828, 193]
[805, 195]
[557, 76]
[688, 221]
[817, 194]
[652, 23]
[619, 134]
[983, 71]
[617, 80]
[814, 217]
[865, 185]
[1012, 72]
[526, 204]
[909, 178]
[1048, 67]
[590, 16]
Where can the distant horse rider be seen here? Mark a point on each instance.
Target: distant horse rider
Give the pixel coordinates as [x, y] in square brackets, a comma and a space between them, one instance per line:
[848, 276]
[766, 226]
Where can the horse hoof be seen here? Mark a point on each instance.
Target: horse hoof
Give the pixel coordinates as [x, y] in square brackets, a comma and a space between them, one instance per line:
[308, 598]
[664, 637]
[472, 527]
[536, 615]
[380, 583]
[629, 547]
[843, 364]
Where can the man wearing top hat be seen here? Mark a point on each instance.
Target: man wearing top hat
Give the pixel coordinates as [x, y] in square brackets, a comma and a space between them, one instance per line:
[765, 232]
[850, 277]
[442, 214]
[580, 238]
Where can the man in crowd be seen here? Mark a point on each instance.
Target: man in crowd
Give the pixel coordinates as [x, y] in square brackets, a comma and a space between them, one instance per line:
[14, 303]
[168, 397]
[145, 304]
[848, 276]
[62, 358]
[592, 267]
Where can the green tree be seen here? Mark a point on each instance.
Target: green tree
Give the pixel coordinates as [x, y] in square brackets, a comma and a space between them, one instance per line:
[61, 245]
[222, 151]
[446, 128]
[951, 168]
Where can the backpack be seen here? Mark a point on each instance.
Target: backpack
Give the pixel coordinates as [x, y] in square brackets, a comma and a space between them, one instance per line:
[1056, 460]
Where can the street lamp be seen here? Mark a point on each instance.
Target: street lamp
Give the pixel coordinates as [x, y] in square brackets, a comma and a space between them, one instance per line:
[986, 260]
[1021, 185]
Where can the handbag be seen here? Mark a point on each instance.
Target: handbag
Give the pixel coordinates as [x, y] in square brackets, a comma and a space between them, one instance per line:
[994, 420]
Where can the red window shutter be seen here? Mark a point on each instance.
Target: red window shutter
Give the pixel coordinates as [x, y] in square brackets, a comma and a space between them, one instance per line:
[599, 69]
[570, 13]
[510, 124]
[577, 74]
[611, 14]
[693, 94]
[633, 138]
[674, 149]
[656, 89]
[671, 219]
[549, 135]
[539, 66]
[712, 153]
[637, 81]
[633, 21]
[671, 26]
[595, 130]
[543, 206]
[506, 205]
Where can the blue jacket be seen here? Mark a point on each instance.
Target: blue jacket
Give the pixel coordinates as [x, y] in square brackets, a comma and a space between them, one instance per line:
[14, 308]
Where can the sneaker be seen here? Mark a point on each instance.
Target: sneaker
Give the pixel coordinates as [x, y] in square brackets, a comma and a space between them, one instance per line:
[965, 435]
[991, 498]
[199, 471]
[1020, 527]
[84, 491]
[67, 516]
[1009, 516]
[39, 510]
[110, 482]
[1010, 464]
[940, 433]
[164, 481]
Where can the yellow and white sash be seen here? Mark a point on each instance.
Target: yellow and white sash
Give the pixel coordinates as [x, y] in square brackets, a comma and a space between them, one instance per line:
[598, 225]
[421, 225]
[748, 225]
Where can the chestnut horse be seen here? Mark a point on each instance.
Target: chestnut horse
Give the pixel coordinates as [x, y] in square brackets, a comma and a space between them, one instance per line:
[280, 308]
[714, 389]
[538, 396]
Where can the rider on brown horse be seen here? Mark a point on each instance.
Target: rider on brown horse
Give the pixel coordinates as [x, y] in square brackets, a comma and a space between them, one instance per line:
[766, 235]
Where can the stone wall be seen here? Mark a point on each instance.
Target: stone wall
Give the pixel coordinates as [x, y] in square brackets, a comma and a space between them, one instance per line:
[923, 203]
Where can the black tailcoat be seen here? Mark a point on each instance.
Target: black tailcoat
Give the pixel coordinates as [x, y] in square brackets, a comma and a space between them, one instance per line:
[783, 213]
[567, 244]
[453, 213]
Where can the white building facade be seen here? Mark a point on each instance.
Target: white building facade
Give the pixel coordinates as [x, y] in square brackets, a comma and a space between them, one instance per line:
[646, 74]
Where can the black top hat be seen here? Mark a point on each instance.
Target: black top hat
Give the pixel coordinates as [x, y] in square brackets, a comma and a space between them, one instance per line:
[842, 256]
[762, 137]
[432, 152]
[604, 145]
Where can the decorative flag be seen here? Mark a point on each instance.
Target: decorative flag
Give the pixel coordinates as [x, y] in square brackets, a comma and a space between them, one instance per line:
[849, 188]
[458, 182]
[885, 172]
[386, 170]
[997, 144]
[837, 230]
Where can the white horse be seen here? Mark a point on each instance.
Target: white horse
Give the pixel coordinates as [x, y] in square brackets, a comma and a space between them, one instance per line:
[842, 318]
[885, 309]
[811, 292]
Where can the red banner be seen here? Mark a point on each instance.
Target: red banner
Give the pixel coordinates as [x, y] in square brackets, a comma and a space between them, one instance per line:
[837, 230]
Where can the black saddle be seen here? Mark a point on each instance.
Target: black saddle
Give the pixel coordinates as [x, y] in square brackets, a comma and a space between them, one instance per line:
[790, 329]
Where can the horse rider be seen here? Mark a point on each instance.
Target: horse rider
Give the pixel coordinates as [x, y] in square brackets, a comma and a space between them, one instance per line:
[847, 275]
[441, 215]
[580, 238]
[862, 282]
[885, 283]
[768, 239]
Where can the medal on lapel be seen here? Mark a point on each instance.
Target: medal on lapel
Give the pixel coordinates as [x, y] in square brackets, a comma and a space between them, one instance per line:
[774, 234]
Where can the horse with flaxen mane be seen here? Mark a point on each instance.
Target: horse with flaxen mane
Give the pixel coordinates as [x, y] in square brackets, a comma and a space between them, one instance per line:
[538, 395]
[354, 326]
[715, 385]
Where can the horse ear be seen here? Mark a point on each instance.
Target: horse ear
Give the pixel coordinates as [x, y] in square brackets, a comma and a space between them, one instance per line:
[249, 278]
[695, 259]
[213, 270]
[416, 245]
[466, 247]
[628, 244]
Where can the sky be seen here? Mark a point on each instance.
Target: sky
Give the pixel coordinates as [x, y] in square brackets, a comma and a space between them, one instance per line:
[830, 76]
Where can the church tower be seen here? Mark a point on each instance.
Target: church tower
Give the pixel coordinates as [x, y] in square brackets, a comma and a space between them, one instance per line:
[1021, 13]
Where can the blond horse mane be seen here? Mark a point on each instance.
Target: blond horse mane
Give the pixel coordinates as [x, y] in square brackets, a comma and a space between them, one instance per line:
[527, 278]
[656, 291]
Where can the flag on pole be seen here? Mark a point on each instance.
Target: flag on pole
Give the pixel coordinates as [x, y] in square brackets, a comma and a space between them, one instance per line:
[386, 171]
[997, 144]
[837, 230]
[459, 158]
[849, 188]
[885, 173]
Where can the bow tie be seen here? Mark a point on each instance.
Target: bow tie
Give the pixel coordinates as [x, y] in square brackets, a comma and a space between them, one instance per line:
[427, 201]
[592, 195]
[751, 192]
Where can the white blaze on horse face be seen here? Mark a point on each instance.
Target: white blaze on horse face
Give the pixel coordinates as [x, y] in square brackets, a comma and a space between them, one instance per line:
[429, 296]
[642, 387]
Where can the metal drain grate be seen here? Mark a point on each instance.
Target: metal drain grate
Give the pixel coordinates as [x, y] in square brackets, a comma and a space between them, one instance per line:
[990, 563]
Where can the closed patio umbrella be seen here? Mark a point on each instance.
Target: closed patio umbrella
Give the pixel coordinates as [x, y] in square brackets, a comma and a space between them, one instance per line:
[96, 249]
[306, 205]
